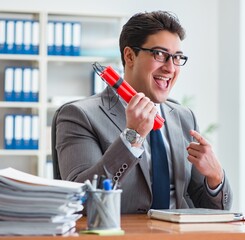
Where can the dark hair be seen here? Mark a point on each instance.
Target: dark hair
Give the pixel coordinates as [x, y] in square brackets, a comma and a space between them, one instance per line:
[137, 29]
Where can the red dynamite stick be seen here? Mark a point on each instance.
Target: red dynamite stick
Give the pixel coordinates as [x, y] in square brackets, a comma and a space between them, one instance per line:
[125, 90]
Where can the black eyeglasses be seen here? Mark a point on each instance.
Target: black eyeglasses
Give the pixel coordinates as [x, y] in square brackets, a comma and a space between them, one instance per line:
[163, 56]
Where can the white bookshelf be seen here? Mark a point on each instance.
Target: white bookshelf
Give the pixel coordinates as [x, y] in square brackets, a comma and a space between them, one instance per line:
[60, 77]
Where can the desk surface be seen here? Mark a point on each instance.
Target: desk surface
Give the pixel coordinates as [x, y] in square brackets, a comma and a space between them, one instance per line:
[140, 227]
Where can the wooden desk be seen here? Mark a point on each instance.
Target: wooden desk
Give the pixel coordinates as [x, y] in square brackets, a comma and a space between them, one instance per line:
[140, 227]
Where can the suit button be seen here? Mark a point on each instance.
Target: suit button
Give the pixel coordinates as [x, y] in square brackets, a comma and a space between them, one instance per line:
[115, 178]
[125, 166]
[121, 170]
[225, 197]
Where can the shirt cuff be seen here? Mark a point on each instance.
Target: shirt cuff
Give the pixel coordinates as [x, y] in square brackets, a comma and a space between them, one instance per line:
[215, 191]
[136, 151]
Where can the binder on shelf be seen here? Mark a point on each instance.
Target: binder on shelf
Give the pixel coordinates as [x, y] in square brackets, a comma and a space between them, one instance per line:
[10, 32]
[35, 132]
[48, 140]
[18, 90]
[18, 131]
[97, 84]
[58, 38]
[9, 131]
[49, 169]
[76, 38]
[34, 85]
[50, 38]
[27, 81]
[27, 37]
[18, 40]
[9, 84]
[2, 36]
[27, 131]
[35, 37]
[67, 36]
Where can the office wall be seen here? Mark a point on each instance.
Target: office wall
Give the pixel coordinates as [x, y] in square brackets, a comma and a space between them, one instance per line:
[213, 75]
[241, 139]
[232, 95]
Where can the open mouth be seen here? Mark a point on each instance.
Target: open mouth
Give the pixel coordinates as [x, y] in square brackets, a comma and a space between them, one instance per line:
[162, 82]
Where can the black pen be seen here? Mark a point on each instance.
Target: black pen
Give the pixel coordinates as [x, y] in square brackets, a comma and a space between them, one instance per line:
[100, 182]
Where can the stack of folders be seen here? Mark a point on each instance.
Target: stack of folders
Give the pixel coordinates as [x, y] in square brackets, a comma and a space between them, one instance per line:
[19, 36]
[21, 131]
[64, 38]
[21, 84]
[31, 205]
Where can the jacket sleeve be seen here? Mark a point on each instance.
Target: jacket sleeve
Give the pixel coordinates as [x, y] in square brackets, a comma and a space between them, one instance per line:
[83, 153]
[201, 196]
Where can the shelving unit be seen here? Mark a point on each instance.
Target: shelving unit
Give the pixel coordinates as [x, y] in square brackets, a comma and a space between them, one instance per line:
[61, 78]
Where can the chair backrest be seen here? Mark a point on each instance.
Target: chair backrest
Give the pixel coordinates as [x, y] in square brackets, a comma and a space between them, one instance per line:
[56, 170]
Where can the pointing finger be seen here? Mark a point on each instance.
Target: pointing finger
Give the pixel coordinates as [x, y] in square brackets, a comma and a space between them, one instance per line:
[198, 137]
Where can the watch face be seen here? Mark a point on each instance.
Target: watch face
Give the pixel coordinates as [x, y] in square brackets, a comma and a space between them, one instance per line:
[131, 135]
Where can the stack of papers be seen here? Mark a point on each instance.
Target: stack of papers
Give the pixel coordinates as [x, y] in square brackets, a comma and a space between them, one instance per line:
[31, 205]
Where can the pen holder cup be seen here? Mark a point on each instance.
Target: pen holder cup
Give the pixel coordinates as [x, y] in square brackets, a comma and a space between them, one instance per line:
[104, 209]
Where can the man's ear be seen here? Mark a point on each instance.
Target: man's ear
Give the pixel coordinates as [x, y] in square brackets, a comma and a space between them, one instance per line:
[129, 56]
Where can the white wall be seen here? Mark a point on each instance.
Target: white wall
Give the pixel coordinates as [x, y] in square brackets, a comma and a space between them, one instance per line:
[241, 138]
[212, 75]
[231, 95]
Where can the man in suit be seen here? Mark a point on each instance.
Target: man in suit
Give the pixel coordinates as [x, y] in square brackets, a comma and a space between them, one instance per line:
[103, 135]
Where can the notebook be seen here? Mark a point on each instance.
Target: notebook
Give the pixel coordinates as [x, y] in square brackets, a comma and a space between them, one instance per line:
[194, 215]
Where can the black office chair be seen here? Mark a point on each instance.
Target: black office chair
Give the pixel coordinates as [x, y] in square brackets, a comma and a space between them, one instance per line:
[56, 170]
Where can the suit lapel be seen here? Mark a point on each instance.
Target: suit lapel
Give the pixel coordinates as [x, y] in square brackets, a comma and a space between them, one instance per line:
[174, 130]
[115, 111]
[113, 108]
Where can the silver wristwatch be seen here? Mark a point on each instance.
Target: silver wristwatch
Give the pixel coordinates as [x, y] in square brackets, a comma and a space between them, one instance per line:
[132, 136]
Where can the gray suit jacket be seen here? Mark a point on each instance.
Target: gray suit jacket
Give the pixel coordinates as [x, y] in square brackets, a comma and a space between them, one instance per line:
[88, 143]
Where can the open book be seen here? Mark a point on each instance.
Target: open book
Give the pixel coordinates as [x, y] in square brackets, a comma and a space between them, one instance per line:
[194, 215]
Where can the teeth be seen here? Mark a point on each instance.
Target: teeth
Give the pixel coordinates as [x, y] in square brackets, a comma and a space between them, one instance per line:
[162, 78]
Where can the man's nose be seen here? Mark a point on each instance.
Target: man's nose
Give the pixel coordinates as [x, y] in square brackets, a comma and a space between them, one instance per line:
[169, 65]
